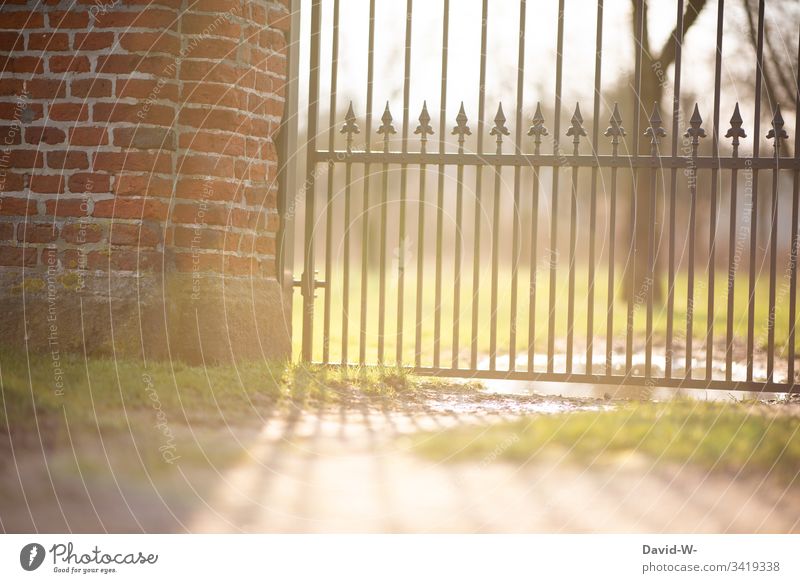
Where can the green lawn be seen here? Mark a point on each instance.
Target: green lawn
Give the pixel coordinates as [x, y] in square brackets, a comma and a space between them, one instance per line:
[722, 436]
[541, 315]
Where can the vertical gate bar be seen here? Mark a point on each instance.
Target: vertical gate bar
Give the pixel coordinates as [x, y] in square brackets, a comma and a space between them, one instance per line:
[655, 131]
[598, 63]
[386, 129]
[673, 186]
[499, 130]
[457, 256]
[476, 252]
[421, 239]
[635, 194]
[773, 252]
[533, 256]
[552, 253]
[648, 338]
[778, 134]
[313, 109]
[754, 206]
[696, 132]
[734, 132]
[573, 233]
[326, 318]
[362, 356]
[437, 318]
[712, 235]
[512, 350]
[793, 243]
[346, 268]
[612, 236]
[401, 245]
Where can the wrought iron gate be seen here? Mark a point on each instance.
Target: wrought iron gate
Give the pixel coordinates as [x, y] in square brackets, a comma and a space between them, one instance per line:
[357, 308]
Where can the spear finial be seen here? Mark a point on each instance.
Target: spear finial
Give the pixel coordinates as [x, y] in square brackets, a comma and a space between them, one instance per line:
[736, 131]
[576, 129]
[499, 128]
[615, 130]
[655, 132]
[695, 131]
[777, 132]
[461, 129]
[537, 130]
[350, 127]
[424, 128]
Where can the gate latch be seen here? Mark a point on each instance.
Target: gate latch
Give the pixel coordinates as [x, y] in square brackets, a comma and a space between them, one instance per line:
[309, 285]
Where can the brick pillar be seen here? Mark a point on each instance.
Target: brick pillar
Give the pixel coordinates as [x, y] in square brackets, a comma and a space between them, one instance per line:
[138, 207]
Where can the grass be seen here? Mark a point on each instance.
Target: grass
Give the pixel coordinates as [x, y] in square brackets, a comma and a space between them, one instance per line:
[503, 318]
[722, 436]
[107, 394]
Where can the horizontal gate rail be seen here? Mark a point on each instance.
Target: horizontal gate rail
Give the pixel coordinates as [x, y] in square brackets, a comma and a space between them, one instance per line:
[585, 161]
[637, 158]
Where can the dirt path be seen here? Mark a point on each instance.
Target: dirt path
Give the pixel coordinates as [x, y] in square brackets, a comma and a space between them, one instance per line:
[352, 468]
[352, 471]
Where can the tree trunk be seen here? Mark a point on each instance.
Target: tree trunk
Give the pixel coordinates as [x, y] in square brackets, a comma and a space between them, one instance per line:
[637, 283]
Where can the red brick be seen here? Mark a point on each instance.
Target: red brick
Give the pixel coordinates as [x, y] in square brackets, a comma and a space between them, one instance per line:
[88, 136]
[142, 185]
[154, 89]
[10, 136]
[22, 20]
[134, 113]
[192, 70]
[68, 19]
[17, 207]
[145, 138]
[210, 24]
[11, 86]
[134, 235]
[90, 88]
[134, 63]
[212, 119]
[133, 162]
[72, 64]
[67, 159]
[191, 214]
[198, 189]
[11, 41]
[93, 41]
[85, 182]
[46, 89]
[25, 159]
[79, 233]
[221, 167]
[150, 42]
[69, 111]
[218, 48]
[18, 256]
[48, 41]
[188, 262]
[128, 208]
[10, 110]
[6, 231]
[66, 207]
[44, 135]
[47, 183]
[214, 94]
[9, 64]
[153, 18]
[37, 232]
[214, 143]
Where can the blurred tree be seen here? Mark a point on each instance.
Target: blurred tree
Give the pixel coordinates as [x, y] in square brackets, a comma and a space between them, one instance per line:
[655, 63]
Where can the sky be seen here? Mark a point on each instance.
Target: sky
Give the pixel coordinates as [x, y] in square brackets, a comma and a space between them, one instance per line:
[738, 71]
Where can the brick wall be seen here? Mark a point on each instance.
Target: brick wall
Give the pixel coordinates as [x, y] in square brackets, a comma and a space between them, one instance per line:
[136, 140]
